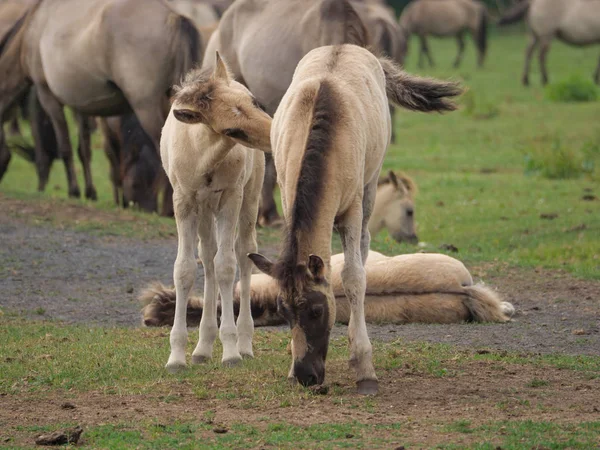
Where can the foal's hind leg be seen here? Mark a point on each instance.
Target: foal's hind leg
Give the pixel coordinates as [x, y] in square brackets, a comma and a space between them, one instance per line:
[55, 110]
[533, 42]
[354, 282]
[207, 249]
[85, 155]
[225, 265]
[184, 274]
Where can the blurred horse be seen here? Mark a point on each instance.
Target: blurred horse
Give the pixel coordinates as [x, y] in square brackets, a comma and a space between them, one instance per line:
[575, 22]
[444, 18]
[101, 58]
[263, 41]
[417, 288]
[394, 208]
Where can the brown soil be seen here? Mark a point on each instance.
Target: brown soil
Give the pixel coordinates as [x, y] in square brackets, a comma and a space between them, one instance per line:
[423, 405]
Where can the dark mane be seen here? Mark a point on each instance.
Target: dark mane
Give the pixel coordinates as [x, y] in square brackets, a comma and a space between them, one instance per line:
[309, 189]
[12, 32]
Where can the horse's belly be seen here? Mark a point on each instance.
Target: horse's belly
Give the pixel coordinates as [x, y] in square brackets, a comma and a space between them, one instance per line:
[582, 26]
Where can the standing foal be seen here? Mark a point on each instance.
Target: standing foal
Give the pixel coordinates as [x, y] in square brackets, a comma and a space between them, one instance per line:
[329, 136]
[216, 185]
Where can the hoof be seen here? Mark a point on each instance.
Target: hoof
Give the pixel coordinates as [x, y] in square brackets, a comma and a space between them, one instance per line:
[367, 387]
[74, 192]
[200, 359]
[90, 194]
[232, 362]
[175, 367]
[247, 355]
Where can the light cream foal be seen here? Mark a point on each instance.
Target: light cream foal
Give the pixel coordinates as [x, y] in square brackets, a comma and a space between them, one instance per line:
[216, 182]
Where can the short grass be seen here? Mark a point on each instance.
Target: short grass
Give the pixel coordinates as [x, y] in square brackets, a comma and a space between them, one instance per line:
[43, 358]
[473, 167]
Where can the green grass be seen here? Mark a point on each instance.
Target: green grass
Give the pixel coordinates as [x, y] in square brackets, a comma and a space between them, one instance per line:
[479, 189]
[41, 359]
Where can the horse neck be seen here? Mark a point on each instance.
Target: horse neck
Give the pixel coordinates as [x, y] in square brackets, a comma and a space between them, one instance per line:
[210, 148]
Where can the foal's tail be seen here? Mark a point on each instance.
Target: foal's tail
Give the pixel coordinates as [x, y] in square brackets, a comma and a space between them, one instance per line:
[159, 307]
[515, 14]
[416, 93]
[485, 305]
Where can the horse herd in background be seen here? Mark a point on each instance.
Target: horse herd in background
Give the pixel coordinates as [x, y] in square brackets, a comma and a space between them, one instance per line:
[306, 64]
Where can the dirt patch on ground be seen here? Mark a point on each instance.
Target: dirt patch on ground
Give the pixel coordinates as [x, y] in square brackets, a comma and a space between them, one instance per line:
[423, 405]
[79, 277]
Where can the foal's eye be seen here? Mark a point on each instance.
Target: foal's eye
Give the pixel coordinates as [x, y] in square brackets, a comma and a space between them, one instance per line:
[257, 105]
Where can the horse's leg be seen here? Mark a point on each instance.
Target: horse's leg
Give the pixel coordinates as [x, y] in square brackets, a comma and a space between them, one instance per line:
[112, 149]
[55, 110]
[533, 42]
[207, 249]
[152, 119]
[597, 74]
[427, 52]
[44, 139]
[85, 154]
[225, 264]
[354, 282]
[268, 209]
[392, 117]
[544, 47]
[422, 51]
[246, 243]
[184, 274]
[368, 205]
[460, 39]
[5, 154]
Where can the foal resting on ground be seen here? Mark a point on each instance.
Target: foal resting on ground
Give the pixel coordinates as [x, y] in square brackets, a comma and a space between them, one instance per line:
[216, 185]
[334, 124]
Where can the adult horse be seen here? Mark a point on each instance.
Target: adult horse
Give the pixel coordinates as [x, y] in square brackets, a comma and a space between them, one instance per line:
[576, 22]
[102, 58]
[416, 288]
[445, 18]
[263, 41]
[329, 137]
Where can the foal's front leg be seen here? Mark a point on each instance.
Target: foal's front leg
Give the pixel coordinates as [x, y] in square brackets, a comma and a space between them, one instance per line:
[184, 274]
[225, 265]
[354, 280]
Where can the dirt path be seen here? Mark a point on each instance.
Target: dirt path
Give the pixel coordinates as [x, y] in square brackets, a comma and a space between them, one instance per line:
[77, 277]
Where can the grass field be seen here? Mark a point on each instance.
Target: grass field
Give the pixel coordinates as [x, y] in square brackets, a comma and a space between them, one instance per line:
[482, 187]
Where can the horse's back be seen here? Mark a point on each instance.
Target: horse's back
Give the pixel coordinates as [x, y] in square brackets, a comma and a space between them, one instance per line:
[440, 17]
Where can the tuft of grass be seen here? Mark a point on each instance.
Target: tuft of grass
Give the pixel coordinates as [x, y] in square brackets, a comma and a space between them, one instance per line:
[536, 382]
[576, 88]
[477, 106]
[551, 158]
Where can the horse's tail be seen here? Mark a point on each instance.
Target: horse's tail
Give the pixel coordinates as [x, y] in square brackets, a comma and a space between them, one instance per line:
[485, 305]
[416, 93]
[187, 47]
[515, 14]
[481, 34]
[354, 30]
[158, 310]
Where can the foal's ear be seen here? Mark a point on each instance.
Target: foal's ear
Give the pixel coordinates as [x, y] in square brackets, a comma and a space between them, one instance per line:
[188, 116]
[221, 71]
[316, 266]
[393, 179]
[262, 263]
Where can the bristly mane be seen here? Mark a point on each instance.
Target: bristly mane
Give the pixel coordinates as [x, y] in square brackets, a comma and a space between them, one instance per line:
[198, 76]
[309, 189]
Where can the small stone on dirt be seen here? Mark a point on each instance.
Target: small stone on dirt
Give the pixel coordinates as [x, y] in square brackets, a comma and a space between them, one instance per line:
[483, 351]
[68, 405]
[320, 389]
[130, 289]
[220, 430]
[449, 247]
[349, 435]
[60, 437]
[548, 216]
[580, 332]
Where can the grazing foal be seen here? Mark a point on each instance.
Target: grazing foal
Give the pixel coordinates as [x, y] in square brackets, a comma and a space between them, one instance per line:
[329, 137]
[216, 185]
